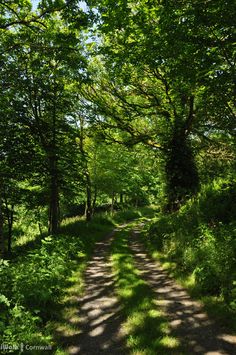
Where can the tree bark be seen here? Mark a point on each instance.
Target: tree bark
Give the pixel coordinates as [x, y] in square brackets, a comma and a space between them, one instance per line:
[112, 202]
[88, 207]
[54, 213]
[10, 215]
[182, 179]
[54, 197]
[94, 200]
[88, 211]
[2, 241]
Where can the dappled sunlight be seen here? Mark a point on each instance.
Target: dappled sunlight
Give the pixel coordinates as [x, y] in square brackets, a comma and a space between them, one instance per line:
[98, 312]
[97, 331]
[186, 317]
[170, 342]
[150, 315]
[145, 324]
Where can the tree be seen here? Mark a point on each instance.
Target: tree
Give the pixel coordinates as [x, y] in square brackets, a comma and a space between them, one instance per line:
[45, 65]
[162, 68]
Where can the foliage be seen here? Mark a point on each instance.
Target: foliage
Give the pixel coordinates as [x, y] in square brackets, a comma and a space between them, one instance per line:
[168, 91]
[200, 240]
[30, 296]
[117, 170]
[105, 106]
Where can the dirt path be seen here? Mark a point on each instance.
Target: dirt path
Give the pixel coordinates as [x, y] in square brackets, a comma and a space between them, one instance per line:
[187, 319]
[100, 320]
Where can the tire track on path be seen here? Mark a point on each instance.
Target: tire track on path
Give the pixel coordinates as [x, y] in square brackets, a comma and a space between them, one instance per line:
[188, 321]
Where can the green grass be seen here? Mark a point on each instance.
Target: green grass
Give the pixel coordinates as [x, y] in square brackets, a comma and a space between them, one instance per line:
[38, 284]
[145, 326]
[197, 246]
[215, 306]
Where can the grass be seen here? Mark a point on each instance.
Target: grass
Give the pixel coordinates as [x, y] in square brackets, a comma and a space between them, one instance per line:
[38, 284]
[66, 323]
[146, 327]
[215, 306]
[197, 247]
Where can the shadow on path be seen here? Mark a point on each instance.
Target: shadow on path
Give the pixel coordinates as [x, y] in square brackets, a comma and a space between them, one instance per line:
[99, 311]
[196, 331]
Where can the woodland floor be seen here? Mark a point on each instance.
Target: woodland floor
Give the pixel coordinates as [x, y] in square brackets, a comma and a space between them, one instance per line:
[101, 318]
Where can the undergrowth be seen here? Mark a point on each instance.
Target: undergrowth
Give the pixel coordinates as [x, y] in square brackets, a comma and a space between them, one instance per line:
[198, 245]
[33, 282]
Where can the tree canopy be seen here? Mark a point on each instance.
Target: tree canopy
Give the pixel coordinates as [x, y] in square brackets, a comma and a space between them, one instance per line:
[91, 89]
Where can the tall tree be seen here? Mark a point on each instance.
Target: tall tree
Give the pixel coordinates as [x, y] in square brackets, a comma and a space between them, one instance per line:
[45, 64]
[171, 55]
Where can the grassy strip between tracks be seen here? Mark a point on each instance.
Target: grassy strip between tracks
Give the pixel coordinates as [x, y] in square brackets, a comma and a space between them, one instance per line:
[145, 326]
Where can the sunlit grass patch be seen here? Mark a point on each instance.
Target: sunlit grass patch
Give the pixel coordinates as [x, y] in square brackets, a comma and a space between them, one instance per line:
[170, 342]
[146, 328]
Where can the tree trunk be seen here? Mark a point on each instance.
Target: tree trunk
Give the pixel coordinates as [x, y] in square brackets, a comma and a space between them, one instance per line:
[112, 202]
[88, 211]
[94, 200]
[88, 207]
[10, 215]
[54, 197]
[182, 179]
[2, 241]
[54, 216]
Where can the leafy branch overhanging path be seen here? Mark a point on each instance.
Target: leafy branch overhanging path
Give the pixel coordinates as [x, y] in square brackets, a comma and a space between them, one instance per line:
[101, 317]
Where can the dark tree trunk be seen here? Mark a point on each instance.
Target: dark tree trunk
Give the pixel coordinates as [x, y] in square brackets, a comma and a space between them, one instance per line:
[54, 212]
[182, 179]
[88, 210]
[10, 216]
[112, 202]
[10, 233]
[2, 241]
[121, 198]
[88, 207]
[54, 197]
[94, 200]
